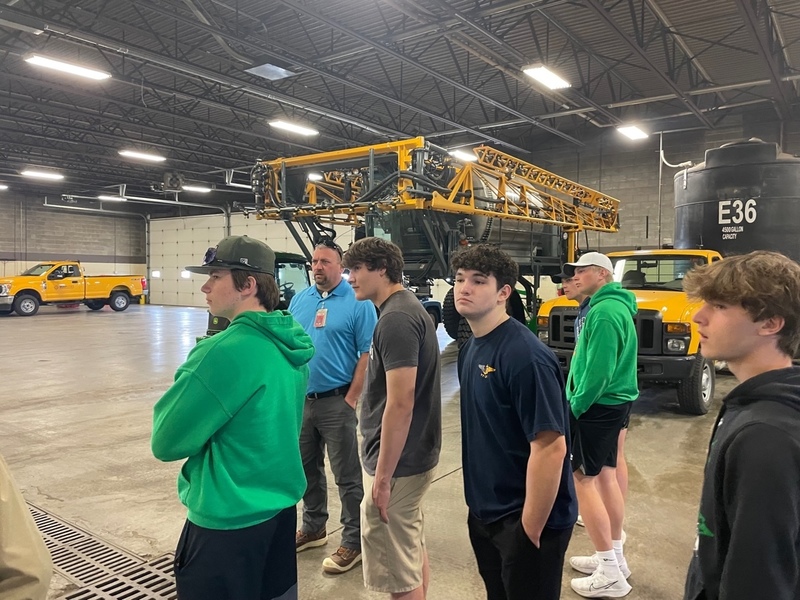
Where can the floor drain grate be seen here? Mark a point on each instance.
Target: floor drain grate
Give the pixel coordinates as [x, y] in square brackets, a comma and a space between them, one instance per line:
[149, 581]
[78, 555]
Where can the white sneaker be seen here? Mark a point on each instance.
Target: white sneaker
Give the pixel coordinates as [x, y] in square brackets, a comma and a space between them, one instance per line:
[579, 522]
[599, 585]
[589, 564]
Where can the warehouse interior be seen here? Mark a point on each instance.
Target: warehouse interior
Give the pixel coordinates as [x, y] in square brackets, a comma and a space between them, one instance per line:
[142, 168]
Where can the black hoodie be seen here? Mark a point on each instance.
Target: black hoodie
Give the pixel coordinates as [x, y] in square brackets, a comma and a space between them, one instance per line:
[749, 523]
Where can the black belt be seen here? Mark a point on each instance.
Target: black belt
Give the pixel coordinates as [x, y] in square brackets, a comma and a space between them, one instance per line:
[339, 391]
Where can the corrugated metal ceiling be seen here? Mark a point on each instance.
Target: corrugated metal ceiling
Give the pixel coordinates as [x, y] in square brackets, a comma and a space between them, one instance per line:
[365, 72]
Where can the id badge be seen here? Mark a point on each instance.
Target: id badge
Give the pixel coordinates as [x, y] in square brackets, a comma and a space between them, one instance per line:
[321, 317]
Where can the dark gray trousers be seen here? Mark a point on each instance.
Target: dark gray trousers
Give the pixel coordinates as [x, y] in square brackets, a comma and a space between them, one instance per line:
[331, 422]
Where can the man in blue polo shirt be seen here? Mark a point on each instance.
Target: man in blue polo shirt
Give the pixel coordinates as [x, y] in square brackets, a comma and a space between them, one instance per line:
[515, 437]
[341, 328]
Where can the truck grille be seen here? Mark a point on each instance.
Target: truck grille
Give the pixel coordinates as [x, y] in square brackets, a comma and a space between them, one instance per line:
[648, 329]
[562, 327]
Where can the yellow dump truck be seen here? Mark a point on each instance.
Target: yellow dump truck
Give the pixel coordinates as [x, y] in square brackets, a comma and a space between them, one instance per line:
[64, 282]
[668, 339]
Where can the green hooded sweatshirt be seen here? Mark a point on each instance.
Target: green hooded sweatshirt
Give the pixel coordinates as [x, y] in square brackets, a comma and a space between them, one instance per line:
[235, 411]
[603, 367]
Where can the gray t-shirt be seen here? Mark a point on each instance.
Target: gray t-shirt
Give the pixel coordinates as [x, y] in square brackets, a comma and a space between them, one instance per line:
[404, 337]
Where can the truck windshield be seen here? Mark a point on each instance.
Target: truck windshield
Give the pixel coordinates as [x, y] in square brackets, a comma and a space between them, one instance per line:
[40, 269]
[654, 272]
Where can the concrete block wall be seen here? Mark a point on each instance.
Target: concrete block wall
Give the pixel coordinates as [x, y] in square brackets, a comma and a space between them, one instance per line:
[629, 171]
[31, 233]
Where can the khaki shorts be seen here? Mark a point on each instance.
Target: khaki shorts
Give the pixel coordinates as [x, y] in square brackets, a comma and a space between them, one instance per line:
[393, 553]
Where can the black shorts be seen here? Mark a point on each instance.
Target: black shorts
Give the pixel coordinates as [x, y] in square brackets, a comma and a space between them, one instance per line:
[595, 435]
[254, 563]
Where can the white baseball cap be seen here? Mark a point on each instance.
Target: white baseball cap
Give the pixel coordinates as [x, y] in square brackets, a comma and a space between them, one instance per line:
[590, 259]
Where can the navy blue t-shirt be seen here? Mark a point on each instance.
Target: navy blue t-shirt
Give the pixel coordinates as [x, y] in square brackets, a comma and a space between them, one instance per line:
[511, 389]
[583, 310]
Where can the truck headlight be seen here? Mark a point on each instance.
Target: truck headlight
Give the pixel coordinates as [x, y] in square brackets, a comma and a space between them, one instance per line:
[676, 345]
[5, 288]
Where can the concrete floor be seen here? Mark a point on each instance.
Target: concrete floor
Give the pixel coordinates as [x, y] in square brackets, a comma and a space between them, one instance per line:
[78, 391]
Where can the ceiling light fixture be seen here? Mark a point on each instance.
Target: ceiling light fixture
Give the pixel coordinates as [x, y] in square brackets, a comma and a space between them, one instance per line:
[293, 128]
[41, 174]
[196, 188]
[3, 187]
[64, 67]
[24, 23]
[112, 198]
[142, 155]
[632, 132]
[463, 156]
[314, 177]
[546, 77]
[270, 71]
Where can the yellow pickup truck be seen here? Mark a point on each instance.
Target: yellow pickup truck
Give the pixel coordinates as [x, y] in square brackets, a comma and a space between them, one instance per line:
[64, 282]
[668, 339]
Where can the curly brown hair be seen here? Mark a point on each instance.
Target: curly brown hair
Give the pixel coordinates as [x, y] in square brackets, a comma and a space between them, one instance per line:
[376, 253]
[765, 284]
[489, 260]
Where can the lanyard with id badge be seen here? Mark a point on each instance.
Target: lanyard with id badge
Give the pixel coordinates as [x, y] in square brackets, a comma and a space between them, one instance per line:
[321, 316]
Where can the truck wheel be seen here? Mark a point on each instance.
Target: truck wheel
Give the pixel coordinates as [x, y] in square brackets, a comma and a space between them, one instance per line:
[26, 305]
[119, 301]
[95, 304]
[696, 393]
[464, 332]
[450, 317]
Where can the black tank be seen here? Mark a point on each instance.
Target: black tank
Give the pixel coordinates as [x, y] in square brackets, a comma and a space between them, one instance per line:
[744, 197]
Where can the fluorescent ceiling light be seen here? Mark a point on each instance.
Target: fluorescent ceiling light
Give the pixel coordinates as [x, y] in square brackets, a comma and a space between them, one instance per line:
[3, 187]
[546, 77]
[50, 63]
[314, 177]
[633, 132]
[23, 23]
[155, 274]
[196, 188]
[186, 274]
[112, 198]
[142, 155]
[463, 156]
[41, 174]
[293, 128]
